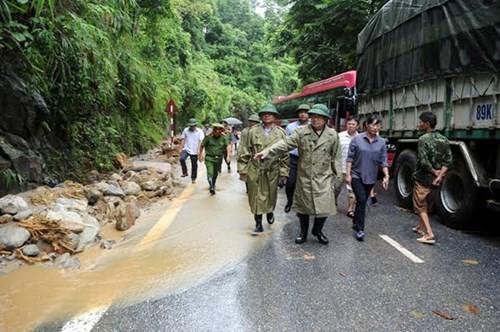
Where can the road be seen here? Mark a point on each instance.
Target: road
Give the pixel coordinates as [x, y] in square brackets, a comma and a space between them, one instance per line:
[207, 273]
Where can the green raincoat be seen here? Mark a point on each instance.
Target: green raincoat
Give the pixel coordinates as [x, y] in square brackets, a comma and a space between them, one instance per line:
[262, 175]
[319, 170]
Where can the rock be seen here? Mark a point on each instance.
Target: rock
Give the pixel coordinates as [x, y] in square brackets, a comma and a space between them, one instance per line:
[107, 244]
[12, 204]
[6, 218]
[74, 239]
[12, 237]
[115, 177]
[150, 186]
[131, 188]
[92, 194]
[126, 215]
[122, 160]
[114, 190]
[67, 262]
[128, 175]
[90, 231]
[30, 250]
[23, 215]
[67, 219]
[71, 204]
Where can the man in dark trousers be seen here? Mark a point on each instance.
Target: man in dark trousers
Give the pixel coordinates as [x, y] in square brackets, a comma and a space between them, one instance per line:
[191, 139]
[294, 154]
[215, 144]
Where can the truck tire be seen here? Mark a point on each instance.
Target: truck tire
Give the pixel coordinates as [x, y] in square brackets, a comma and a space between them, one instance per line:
[457, 198]
[403, 183]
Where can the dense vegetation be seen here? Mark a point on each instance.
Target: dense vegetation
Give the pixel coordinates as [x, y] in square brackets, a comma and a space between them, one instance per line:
[106, 68]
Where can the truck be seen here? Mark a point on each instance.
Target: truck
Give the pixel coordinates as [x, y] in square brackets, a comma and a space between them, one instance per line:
[441, 56]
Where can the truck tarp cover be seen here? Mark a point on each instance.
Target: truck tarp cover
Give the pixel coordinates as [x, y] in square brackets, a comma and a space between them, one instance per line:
[410, 41]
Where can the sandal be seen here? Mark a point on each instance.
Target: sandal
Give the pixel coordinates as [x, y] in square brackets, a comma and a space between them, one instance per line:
[427, 240]
[418, 231]
[350, 214]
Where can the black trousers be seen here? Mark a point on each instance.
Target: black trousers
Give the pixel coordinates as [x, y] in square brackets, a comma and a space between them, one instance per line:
[194, 164]
[292, 178]
[362, 192]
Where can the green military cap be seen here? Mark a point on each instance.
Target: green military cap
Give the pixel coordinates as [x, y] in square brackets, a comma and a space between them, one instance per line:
[217, 125]
[320, 109]
[304, 107]
[269, 108]
[192, 122]
[284, 123]
[254, 118]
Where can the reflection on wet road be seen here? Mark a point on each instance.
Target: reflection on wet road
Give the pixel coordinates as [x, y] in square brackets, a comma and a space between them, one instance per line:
[173, 245]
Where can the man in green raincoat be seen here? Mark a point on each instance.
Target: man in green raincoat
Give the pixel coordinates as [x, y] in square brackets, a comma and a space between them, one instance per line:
[320, 163]
[216, 144]
[253, 120]
[262, 176]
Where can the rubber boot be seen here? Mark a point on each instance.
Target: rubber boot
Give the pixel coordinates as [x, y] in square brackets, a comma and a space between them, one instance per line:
[212, 186]
[317, 230]
[258, 223]
[304, 228]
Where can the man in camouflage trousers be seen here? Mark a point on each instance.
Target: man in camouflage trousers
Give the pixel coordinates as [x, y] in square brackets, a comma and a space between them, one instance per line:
[433, 160]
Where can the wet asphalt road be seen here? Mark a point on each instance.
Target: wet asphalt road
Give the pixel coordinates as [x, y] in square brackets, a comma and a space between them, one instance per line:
[345, 286]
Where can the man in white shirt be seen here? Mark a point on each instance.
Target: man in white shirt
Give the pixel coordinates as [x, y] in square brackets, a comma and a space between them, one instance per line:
[303, 119]
[191, 140]
[345, 138]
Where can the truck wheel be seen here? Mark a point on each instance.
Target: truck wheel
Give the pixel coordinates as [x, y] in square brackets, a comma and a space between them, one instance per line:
[403, 183]
[457, 198]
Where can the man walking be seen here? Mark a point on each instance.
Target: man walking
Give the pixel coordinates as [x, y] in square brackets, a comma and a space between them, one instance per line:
[433, 160]
[253, 120]
[262, 175]
[216, 144]
[191, 139]
[320, 163]
[303, 119]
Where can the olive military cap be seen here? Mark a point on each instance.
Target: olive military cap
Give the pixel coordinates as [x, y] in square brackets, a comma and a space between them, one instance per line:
[254, 118]
[320, 109]
[269, 108]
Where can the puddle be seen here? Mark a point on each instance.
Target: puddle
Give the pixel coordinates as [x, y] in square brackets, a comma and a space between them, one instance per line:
[174, 245]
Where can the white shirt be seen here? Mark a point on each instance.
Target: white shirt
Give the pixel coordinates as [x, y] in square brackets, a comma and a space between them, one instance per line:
[345, 140]
[192, 140]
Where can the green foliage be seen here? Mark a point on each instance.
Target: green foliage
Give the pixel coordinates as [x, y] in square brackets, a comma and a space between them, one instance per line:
[10, 178]
[107, 68]
[325, 45]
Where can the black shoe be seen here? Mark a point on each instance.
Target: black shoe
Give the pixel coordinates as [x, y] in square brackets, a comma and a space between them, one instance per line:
[184, 175]
[228, 169]
[258, 229]
[301, 238]
[270, 218]
[288, 206]
[374, 200]
[321, 237]
[212, 191]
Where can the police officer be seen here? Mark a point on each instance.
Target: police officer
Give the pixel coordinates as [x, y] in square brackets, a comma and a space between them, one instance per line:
[262, 175]
[320, 163]
[216, 144]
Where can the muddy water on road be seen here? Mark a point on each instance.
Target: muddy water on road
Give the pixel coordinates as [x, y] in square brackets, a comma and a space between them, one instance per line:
[174, 245]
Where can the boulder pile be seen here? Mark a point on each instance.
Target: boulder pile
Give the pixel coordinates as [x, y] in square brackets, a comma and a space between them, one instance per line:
[52, 224]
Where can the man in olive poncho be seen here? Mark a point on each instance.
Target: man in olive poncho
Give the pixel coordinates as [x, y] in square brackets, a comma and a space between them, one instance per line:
[216, 144]
[320, 163]
[262, 176]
